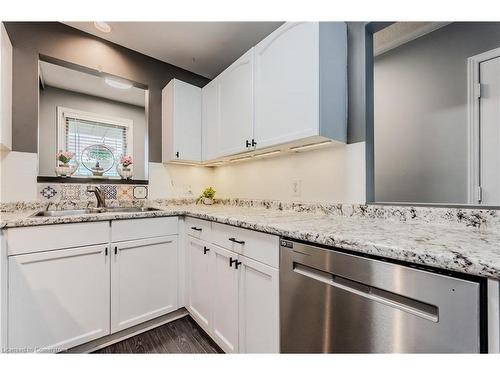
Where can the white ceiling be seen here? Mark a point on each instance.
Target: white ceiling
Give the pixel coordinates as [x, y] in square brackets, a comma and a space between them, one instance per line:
[73, 80]
[400, 33]
[205, 48]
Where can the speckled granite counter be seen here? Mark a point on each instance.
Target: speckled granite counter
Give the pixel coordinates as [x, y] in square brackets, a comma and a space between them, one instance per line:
[466, 241]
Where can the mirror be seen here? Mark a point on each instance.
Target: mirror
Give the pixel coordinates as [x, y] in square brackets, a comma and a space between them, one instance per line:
[437, 113]
[90, 125]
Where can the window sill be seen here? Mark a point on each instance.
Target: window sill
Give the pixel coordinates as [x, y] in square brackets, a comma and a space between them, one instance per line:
[89, 180]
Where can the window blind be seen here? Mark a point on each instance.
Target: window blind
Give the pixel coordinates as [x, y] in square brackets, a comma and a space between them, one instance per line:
[82, 133]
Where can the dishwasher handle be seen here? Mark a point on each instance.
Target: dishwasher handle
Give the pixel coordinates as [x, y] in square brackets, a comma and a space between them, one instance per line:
[409, 305]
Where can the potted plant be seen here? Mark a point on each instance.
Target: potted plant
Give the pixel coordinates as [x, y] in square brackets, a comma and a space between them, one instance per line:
[207, 196]
[124, 168]
[64, 168]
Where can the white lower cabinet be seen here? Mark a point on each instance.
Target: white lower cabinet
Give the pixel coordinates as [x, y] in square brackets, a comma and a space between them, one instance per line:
[258, 307]
[199, 286]
[143, 280]
[225, 299]
[63, 292]
[235, 298]
[58, 299]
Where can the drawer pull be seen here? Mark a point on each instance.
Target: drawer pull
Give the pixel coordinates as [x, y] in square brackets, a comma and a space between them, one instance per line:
[106, 251]
[197, 229]
[231, 261]
[235, 240]
[116, 250]
[205, 249]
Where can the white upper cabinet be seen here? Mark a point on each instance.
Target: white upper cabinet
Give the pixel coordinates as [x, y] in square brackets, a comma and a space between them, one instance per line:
[301, 84]
[181, 122]
[210, 120]
[236, 106]
[5, 90]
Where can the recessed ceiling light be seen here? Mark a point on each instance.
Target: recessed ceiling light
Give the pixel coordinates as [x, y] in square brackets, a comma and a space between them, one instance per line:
[102, 26]
[117, 84]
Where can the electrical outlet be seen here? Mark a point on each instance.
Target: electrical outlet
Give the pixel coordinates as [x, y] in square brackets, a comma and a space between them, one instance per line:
[296, 187]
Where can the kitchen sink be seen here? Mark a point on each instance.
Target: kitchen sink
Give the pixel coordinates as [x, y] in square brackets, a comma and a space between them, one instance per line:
[56, 213]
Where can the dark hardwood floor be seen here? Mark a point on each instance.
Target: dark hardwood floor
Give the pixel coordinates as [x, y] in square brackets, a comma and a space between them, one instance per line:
[180, 336]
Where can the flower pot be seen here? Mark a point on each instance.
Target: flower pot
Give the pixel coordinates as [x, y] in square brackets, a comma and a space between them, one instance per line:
[66, 169]
[124, 172]
[208, 201]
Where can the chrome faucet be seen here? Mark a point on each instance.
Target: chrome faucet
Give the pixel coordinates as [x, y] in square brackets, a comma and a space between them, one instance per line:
[101, 201]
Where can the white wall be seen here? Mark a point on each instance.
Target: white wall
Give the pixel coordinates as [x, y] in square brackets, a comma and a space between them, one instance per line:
[333, 174]
[18, 171]
[178, 181]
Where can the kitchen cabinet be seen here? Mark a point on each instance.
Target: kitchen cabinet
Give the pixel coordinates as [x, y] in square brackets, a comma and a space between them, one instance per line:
[143, 280]
[301, 84]
[58, 299]
[181, 122]
[225, 298]
[210, 120]
[5, 90]
[258, 307]
[235, 133]
[68, 284]
[199, 300]
[234, 297]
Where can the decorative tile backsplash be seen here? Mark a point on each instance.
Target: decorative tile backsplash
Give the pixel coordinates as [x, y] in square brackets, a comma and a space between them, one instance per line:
[75, 192]
[140, 192]
[70, 192]
[109, 191]
[124, 192]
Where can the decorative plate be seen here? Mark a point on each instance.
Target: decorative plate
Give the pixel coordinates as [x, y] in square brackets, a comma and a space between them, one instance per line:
[98, 159]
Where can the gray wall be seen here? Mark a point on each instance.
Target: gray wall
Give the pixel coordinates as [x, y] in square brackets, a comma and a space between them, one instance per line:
[62, 42]
[356, 79]
[420, 114]
[51, 97]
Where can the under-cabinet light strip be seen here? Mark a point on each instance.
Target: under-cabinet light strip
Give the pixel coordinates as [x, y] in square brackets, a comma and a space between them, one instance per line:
[306, 147]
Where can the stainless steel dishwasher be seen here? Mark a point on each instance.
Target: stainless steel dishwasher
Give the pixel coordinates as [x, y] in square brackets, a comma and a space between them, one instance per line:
[334, 302]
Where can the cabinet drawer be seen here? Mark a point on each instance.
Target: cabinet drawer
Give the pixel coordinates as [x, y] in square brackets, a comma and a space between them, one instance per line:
[54, 237]
[135, 229]
[197, 228]
[256, 245]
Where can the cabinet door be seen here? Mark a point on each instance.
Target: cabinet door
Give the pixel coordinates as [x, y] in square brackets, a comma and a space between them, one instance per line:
[187, 122]
[258, 307]
[181, 122]
[200, 281]
[210, 120]
[225, 300]
[236, 106]
[58, 299]
[287, 84]
[143, 280]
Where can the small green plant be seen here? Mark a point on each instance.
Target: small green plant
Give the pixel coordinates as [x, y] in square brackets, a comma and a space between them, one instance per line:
[209, 193]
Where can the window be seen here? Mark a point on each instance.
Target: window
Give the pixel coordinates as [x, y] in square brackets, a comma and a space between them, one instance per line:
[78, 130]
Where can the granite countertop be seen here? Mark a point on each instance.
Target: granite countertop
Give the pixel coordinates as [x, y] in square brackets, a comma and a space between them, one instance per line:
[467, 249]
